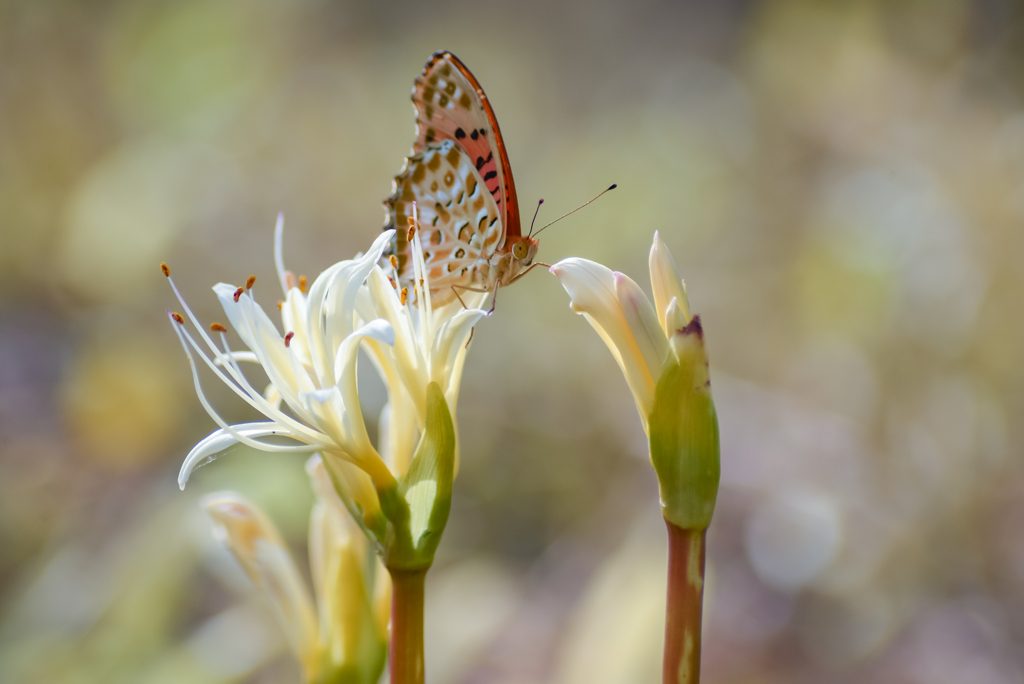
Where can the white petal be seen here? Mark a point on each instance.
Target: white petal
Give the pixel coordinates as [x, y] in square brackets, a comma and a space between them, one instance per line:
[320, 396]
[643, 322]
[408, 359]
[226, 294]
[665, 283]
[319, 354]
[675, 318]
[377, 329]
[591, 288]
[339, 304]
[448, 341]
[357, 440]
[211, 446]
[282, 275]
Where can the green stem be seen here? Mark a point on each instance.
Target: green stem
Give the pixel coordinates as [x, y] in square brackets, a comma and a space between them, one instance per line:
[405, 655]
[683, 609]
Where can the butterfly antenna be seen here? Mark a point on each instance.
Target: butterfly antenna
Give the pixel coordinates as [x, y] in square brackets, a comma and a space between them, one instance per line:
[611, 187]
[535, 217]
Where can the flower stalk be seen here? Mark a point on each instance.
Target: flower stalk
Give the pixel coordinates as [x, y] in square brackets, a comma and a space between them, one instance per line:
[405, 656]
[686, 555]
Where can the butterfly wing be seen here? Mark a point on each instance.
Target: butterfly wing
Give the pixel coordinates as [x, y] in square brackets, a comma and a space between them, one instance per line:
[458, 218]
[451, 105]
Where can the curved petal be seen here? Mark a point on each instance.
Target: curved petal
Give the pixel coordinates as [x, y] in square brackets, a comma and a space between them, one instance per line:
[213, 444]
[666, 284]
[676, 318]
[407, 358]
[319, 354]
[643, 322]
[591, 287]
[448, 341]
[377, 329]
[337, 309]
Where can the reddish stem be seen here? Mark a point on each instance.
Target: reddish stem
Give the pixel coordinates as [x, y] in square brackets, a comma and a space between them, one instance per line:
[405, 654]
[683, 607]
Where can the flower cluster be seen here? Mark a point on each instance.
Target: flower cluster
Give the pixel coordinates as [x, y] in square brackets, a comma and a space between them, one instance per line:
[312, 403]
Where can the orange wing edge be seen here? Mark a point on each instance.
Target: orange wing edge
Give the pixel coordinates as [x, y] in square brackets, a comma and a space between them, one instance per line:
[512, 222]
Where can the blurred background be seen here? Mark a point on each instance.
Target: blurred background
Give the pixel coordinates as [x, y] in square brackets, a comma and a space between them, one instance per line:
[842, 186]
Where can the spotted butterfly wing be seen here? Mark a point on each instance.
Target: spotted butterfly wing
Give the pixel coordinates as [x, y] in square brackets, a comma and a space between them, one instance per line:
[459, 176]
[450, 104]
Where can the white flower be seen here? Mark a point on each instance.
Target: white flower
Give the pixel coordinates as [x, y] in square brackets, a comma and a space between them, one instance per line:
[640, 336]
[345, 629]
[660, 349]
[311, 366]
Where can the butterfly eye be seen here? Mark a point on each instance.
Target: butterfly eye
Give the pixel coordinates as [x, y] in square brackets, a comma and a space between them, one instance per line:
[519, 250]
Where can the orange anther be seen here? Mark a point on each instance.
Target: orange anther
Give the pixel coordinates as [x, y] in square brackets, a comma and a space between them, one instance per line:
[404, 295]
[302, 284]
[288, 338]
[217, 327]
[165, 269]
[177, 318]
[238, 293]
[249, 282]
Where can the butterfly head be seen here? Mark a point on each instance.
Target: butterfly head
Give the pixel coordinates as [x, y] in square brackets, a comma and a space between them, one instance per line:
[524, 249]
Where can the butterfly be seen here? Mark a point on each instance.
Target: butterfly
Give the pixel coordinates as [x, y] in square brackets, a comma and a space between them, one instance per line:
[459, 177]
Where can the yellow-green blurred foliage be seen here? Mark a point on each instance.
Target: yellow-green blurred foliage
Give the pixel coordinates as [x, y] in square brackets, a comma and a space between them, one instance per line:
[841, 183]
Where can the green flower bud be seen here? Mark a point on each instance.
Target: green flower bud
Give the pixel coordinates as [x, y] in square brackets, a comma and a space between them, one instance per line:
[684, 433]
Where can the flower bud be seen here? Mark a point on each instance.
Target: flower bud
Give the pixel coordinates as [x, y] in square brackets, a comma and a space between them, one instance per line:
[684, 433]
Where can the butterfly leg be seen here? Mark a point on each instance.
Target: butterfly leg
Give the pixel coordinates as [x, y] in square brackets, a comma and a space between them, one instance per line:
[456, 292]
[471, 330]
[539, 263]
[494, 299]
